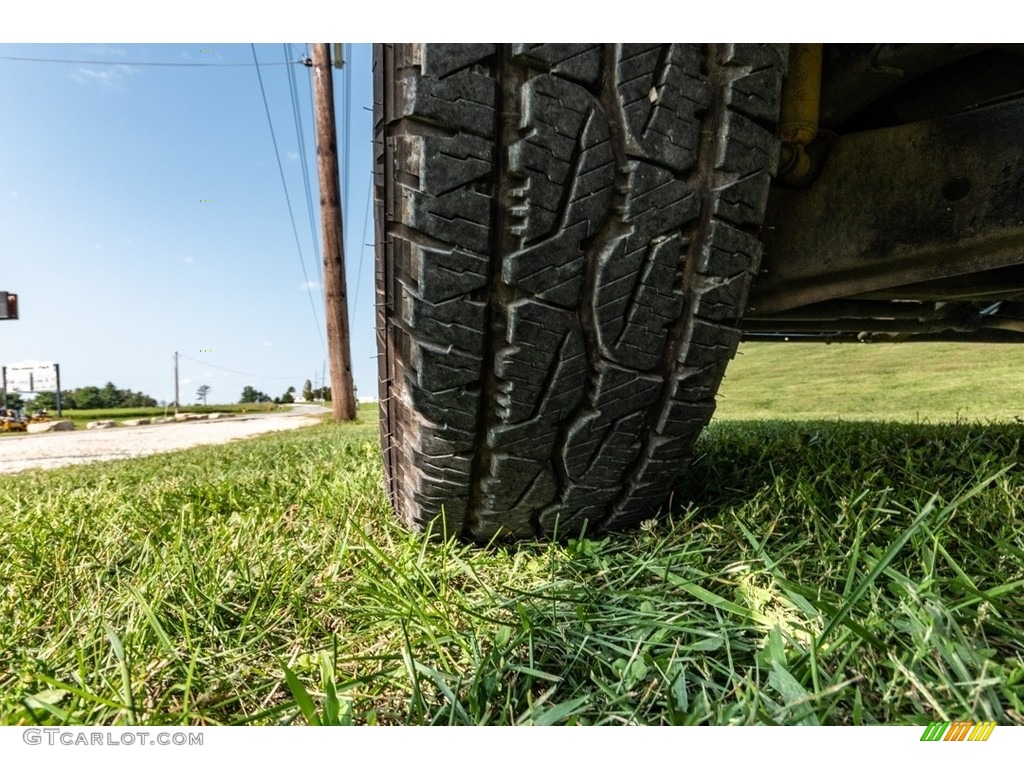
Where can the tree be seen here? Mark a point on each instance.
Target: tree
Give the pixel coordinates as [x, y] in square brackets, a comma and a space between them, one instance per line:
[202, 392]
[307, 390]
[289, 396]
[94, 397]
[89, 397]
[252, 395]
[110, 396]
[48, 401]
[14, 401]
[136, 400]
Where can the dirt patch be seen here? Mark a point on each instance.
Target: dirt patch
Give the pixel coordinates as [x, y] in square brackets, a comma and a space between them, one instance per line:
[58, 449]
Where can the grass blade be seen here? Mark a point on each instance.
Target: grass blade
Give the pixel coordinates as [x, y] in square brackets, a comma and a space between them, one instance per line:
[301, 696]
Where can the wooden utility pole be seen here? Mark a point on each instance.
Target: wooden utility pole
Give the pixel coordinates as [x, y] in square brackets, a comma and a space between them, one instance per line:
[335, 294]
[176, 396]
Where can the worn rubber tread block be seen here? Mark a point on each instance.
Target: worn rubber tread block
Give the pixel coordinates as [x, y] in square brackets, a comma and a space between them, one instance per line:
[520, 480]
[449, 273]
[446, 163]
[695, 383]
[543, 364]
[662, 94]
[751, 150]
[457, 321]
[575, 61]
[580, 505]
[741, 201]
[463, 215]
[637, 300]
[552, 270]
[728, 251]
[442, 59]
[720, 296]
[638, 277]
[565, 160]
[756, 94]
[463, 101]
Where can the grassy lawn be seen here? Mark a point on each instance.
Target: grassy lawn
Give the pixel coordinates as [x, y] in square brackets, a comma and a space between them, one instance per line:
[923, 381]
[823, 572]
[81, 417]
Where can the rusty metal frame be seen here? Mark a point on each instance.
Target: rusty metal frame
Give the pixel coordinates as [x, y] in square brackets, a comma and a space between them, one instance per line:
[896, 207]
[855, 75]
[896, 320]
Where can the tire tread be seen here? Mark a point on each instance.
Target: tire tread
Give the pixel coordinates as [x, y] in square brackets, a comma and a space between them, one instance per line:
[566, 237]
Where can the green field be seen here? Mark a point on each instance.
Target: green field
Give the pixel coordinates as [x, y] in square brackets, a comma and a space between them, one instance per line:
[810, 572]
[81, 417]
[919, 382]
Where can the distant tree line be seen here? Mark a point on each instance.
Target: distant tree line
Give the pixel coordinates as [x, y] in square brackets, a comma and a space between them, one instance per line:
[14, 401]
[253, 395]
[321, 393]
[108, 396]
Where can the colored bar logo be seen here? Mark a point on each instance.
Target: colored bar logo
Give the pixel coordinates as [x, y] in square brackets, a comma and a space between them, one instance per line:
[958, 730]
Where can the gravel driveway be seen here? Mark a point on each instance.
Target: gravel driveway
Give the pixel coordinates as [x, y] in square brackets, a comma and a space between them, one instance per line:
[57, 449]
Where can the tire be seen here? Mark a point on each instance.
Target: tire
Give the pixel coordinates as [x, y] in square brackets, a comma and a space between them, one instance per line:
[565, 239]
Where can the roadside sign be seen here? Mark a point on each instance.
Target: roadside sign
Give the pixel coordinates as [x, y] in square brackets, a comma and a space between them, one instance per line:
[32, 376]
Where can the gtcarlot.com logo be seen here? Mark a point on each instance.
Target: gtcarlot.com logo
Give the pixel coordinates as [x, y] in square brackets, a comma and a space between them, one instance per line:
[959, 730]
[113, 737]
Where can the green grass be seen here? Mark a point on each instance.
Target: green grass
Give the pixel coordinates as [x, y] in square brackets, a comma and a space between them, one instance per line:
[823, 572]
[907, 382]
[135, 413]
[81, 417]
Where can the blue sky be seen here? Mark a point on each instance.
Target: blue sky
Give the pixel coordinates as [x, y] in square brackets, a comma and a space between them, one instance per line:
[117, 259]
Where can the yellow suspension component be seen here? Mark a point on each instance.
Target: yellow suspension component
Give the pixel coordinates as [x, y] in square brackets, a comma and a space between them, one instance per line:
[798, 116]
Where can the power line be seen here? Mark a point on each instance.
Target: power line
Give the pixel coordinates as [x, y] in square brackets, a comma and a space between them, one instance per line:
[143, 63]
[362, 248]
[303, 159]
[284, 185]
[240, 373]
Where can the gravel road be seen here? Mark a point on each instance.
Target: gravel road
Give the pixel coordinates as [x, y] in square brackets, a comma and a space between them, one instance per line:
[57, 449]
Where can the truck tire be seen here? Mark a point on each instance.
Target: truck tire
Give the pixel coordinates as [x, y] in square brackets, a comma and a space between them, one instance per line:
[565, 238]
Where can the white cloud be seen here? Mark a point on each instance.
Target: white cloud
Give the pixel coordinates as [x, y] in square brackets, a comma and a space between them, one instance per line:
[189, 260]
[308, 285]
[267, 344]
[13, 193]
[108, 76]
[291, 154]
[85, 74]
